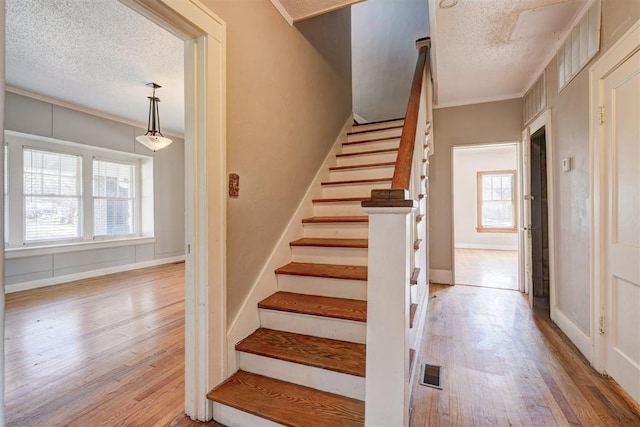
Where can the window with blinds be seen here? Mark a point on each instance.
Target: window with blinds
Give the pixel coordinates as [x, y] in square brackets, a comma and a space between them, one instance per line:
[113, 198]
[52, 195]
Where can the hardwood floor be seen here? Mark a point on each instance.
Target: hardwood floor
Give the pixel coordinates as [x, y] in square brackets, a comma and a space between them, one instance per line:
[103, 351]
[488, 268]
[110, 351]
[504, 365]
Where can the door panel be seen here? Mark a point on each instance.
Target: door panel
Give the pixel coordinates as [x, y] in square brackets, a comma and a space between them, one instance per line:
[622, 286]
[526, 213]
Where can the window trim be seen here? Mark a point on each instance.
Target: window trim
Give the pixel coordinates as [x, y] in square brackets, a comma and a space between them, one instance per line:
[479, 199]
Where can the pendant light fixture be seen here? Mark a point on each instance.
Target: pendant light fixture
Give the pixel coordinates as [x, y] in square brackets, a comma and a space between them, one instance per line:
[153, 139]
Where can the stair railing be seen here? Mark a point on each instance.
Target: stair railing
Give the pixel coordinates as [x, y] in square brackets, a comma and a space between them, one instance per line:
[398, 245]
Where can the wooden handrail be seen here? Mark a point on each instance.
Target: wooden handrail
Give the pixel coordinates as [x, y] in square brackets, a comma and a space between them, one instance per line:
[404, 161]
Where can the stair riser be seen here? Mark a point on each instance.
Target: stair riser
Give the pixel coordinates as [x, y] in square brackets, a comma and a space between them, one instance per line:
[352, 190]
[326, 287]
[324, 327]
[374, 134]
[338, 209]
[231, 417]
[323, 255]
[337, 230]
[366, 159]
[374, 145]
[365, 126]
[364, 173]
[309, 376]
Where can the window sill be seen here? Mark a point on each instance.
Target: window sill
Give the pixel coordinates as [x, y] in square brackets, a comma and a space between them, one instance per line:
[27, 251]
[496, 230]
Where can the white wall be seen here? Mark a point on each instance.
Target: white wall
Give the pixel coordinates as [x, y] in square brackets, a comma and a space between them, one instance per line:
[467, 162]
[383, 35]
[37, 117]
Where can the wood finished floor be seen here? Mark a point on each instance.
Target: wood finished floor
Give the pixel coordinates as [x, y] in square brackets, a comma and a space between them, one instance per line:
[504, 365]
[110, 351]
[487, 268]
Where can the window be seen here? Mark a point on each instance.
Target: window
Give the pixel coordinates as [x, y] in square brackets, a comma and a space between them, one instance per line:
[496, 201]
[52, 195]
[113, 198]
[61, 193]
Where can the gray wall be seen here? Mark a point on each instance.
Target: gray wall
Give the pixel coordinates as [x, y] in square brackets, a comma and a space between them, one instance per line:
[570, 129]
[288, 96]
[36, 117]
[384, 54]
[499, 121]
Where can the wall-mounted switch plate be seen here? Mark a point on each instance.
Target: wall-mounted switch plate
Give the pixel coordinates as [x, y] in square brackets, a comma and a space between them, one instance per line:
[566, 164]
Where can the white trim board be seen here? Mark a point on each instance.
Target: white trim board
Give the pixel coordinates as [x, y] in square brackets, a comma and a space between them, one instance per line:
[571, 330]
[57, 280]
[247, 320]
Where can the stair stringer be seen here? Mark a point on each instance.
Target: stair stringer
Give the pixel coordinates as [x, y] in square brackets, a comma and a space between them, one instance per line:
[248, 320]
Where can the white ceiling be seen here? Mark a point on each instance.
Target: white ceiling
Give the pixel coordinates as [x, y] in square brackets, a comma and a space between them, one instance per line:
[98, 54]
[297, 10]
[487, 50]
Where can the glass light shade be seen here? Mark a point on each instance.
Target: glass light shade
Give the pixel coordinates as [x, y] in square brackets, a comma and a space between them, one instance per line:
[153, 142]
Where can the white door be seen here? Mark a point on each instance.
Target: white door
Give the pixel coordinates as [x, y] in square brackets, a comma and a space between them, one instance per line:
[525, 215]
[622, 242]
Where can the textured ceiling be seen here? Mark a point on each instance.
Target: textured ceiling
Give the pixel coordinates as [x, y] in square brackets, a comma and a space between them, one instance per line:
[302, 9]
[494, 49]
[97, 54]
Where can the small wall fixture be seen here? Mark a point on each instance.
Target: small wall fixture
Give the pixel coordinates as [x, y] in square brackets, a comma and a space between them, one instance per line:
[153, 139]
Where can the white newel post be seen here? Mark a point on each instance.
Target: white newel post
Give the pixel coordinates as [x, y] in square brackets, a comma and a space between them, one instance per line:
[387, 375]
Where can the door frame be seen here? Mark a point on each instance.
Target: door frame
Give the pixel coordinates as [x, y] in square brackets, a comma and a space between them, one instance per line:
[544, 120]
[626, 45]
[204, 34]
[517, 145]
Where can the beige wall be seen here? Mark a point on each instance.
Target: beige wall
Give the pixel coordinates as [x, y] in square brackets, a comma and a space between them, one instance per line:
[288, 96]
[570, 130]
[470, 124]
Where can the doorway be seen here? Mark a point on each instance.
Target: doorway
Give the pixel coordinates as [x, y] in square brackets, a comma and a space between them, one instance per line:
[538, 229]
[485, 223]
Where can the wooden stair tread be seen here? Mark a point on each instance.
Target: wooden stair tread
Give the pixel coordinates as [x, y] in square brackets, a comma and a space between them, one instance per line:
[337, 308]
[357, 132]
[332, 271]
[334, 355]
[379, 121]
[363, 166]
[331, 243]
[287, 403]
[357, 181]
[335, 219]
[364, 153]
[340, 199]
[364, 141]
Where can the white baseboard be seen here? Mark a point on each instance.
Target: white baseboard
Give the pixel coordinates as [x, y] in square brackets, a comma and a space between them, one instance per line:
[50, 281]
[441, 276]
[575, 334]
[487, 247]
[248, 320]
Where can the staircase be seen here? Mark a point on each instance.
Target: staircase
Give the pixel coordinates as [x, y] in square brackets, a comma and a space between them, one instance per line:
[305, 366]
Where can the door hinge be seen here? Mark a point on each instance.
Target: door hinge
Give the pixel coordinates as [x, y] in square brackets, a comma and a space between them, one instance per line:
[188, 248]
[601, 115]
[601, 325]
